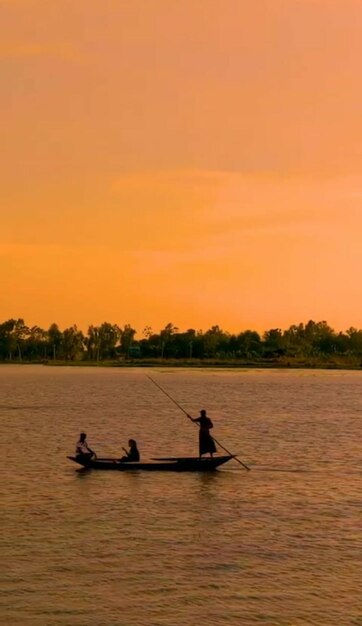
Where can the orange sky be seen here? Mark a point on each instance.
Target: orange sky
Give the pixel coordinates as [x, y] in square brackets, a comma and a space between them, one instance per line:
[196, 162]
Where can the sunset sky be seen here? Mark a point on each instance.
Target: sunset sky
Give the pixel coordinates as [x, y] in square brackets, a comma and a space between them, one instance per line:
[195, 162]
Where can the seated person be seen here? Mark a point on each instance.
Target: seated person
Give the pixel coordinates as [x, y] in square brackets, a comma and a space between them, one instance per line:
[82, 449]
[132, 454]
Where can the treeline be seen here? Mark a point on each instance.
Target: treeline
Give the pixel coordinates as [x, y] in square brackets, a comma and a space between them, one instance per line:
[19, 342]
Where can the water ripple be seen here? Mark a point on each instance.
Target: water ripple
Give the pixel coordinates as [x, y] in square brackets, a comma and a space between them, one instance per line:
[277, 546]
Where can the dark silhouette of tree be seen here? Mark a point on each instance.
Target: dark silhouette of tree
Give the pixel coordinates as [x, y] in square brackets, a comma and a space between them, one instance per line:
[214, 339]
[127, 338]
[354, 338]
[19, 333]
[248, 344]
[101, 341]
[72, 343]
[147, 332]
[54, 340]
[36, 344]
[7, 339]
[92, 343]
[166, 336]
[316, 341]
[109, 336]
[274, 342]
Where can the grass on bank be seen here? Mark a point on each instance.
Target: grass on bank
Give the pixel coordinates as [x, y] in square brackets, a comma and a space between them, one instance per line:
[331, 362]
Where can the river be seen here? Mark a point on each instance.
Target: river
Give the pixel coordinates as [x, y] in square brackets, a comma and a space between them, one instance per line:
[280, 545]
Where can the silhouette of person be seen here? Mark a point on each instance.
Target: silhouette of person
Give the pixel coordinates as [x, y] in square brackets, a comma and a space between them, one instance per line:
[132, 454]
[206, 442]
[82, 449]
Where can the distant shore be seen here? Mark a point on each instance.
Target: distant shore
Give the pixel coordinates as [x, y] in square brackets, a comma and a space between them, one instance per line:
[282, 363]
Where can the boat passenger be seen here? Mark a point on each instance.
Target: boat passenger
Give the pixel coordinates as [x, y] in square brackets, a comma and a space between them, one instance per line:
[206, 442]
[82, 449]
[132, 455]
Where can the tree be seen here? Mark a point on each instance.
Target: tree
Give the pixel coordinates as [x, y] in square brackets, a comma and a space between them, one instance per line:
[19, 333]
[320, 336]
[54, 339]
[36, 344]
[7, 339]
[127, 337]
[166, 335]
[354, 338]
[147, 332]
[190, 339]
[72, 343]
[295, 341]
[92, 343]
[274, 342]
[182, 344]
[109, 335]
[248, 343]
[213, 339]
[101, 341]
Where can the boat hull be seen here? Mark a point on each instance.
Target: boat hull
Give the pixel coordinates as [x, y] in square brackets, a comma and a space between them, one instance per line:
[191, 464]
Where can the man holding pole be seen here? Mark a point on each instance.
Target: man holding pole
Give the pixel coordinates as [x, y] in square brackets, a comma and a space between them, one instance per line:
[206, 442]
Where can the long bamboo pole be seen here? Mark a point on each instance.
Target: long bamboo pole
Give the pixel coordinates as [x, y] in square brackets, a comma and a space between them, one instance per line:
[189, 416]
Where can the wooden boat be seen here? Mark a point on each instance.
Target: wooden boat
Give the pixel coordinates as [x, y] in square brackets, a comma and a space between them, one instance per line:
[169, 464]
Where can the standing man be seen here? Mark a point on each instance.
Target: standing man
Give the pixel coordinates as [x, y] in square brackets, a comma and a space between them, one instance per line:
[206, 442]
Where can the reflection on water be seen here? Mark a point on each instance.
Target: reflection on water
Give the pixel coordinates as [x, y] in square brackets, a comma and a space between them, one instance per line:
[277, 546]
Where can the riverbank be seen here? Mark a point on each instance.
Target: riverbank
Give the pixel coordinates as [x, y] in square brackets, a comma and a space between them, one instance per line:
[351, 363]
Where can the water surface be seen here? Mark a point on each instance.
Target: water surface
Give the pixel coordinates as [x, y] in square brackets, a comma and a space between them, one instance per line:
[277, 546]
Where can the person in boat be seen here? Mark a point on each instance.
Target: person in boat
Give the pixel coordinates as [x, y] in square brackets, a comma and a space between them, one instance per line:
[206, 442]
[82, 449]
[132, 455]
